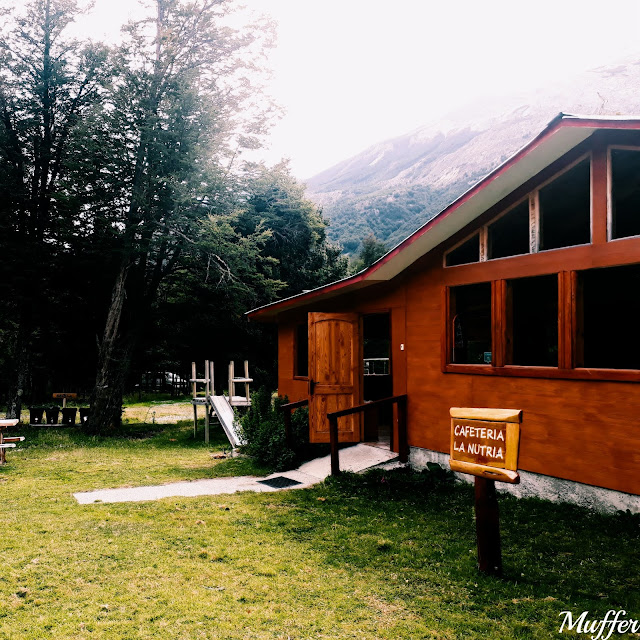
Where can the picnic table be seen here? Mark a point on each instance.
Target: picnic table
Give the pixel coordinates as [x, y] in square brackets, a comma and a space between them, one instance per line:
[5, 441]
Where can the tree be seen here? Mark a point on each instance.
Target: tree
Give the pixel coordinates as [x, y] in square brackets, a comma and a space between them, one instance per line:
[270, 243]
[298, 241]
[372, 250]
[48, 84]
[181, 110]
[120, 184]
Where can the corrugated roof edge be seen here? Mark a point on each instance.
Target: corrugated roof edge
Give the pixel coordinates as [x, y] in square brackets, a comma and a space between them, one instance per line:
[562, 119]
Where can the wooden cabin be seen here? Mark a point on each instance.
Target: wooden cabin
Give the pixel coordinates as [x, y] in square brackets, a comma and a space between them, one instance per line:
[524, 293]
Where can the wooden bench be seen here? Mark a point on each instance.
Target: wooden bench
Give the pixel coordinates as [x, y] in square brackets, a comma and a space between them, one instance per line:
[7, 442]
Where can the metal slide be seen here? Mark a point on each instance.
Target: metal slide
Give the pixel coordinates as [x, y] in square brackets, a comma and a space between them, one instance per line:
[226, 416]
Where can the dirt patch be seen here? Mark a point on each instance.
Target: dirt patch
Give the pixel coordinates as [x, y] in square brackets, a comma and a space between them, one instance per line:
[160, 413]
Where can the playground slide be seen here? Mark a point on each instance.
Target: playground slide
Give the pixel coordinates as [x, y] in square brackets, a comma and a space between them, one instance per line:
[226, 416]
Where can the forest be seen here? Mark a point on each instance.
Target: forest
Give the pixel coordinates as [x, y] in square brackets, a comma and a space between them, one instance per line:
[133, 234]
[389, 214]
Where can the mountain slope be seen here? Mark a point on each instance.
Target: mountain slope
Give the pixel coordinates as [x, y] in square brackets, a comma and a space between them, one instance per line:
[395, 186]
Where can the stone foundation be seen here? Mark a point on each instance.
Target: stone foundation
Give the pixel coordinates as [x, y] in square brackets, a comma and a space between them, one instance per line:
[545, 487]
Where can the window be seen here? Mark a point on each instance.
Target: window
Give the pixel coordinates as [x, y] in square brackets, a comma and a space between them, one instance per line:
[509, 235]
[565, 209]
[625, 193]
[467, 252]
[532, 325]
[301, 361]
[598, 328]
[608, 311]
[470, 319]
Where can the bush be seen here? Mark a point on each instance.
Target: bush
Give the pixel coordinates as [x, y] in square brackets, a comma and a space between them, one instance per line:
[388, 484]
[262, 428]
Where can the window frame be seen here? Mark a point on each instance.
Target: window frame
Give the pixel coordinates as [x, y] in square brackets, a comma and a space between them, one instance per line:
[448, 329]
[504, 213]
[536, 195]
[568, 343]
[610, 148]
[533, 197]
[566, 262]
[577, 328]
[507, 330]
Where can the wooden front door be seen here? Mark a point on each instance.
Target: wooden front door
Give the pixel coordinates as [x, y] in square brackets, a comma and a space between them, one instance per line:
[335, 355]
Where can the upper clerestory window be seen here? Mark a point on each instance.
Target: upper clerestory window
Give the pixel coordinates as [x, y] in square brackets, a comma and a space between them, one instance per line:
[625, 193]
[465, 253]
[556, 215]
[509, 234]
[565, 209]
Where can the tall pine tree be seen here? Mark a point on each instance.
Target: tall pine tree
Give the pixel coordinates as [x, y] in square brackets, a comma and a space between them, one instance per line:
[48, 83]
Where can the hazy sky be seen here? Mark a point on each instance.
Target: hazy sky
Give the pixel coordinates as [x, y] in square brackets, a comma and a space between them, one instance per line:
[350, 73]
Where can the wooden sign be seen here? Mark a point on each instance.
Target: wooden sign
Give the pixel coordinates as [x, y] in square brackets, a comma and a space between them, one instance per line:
[71, 396]
[485, 442]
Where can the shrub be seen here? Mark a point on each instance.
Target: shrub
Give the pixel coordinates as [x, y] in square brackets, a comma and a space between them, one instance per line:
[388, 484]
[262, 428]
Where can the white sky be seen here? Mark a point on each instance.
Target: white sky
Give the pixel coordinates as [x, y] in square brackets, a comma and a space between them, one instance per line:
[350, 73]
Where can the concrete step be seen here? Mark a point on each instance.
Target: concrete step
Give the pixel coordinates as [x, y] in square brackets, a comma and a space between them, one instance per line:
[358, 458]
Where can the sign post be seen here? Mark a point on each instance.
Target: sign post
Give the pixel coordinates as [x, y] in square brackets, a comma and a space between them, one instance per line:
[485, 443]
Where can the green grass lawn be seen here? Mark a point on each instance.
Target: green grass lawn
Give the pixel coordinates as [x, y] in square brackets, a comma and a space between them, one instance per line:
[377, 556]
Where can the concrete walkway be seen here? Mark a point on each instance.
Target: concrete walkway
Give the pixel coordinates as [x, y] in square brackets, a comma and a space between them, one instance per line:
[357, 458]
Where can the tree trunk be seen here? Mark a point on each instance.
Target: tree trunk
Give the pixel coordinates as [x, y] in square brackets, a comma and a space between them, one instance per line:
[21, 371]
[113, 365]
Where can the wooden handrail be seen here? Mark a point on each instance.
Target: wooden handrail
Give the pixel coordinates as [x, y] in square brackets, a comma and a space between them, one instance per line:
[366, 405]
[294, 405]
[287, 409]
[403, 443]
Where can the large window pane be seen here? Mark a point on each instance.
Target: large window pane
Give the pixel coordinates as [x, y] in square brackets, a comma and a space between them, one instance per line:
[534, 322]
[611, 308]
[565, 206]
[471, 323]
